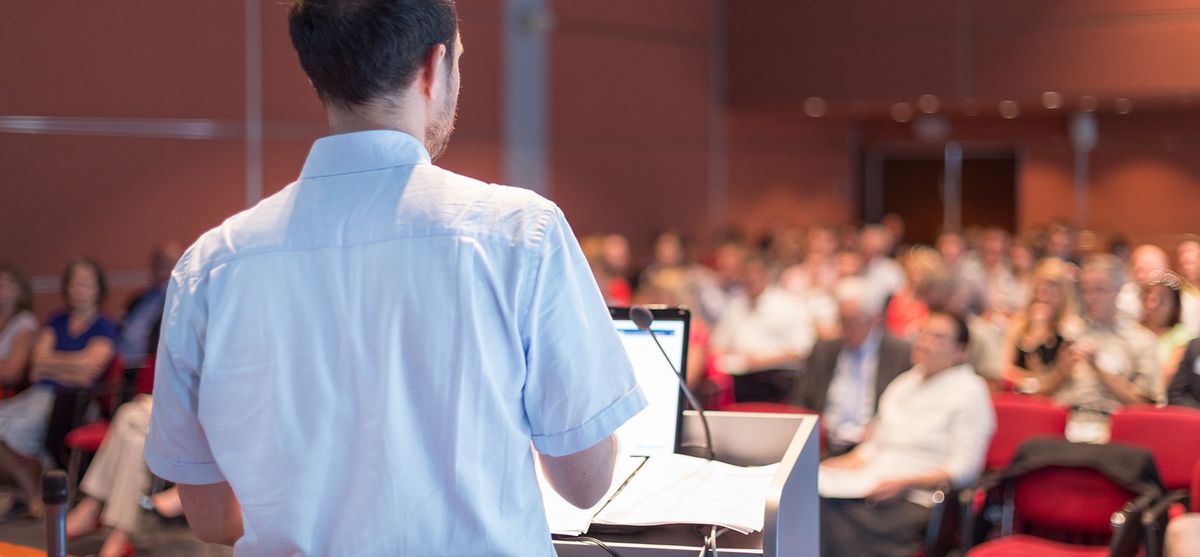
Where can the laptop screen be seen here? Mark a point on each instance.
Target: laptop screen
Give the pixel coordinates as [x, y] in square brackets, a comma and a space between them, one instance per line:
[654, 430]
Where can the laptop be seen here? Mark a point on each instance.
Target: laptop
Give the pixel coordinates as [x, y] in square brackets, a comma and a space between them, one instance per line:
[657, 429]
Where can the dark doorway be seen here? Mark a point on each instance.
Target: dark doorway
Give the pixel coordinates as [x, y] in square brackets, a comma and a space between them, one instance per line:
[913, 184]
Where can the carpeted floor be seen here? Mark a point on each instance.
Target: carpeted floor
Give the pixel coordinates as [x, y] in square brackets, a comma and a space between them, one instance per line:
[158, 538]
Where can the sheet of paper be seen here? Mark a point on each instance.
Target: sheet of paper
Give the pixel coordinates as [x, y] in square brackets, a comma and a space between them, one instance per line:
[841, 483]
[678, 489]
[567, 519]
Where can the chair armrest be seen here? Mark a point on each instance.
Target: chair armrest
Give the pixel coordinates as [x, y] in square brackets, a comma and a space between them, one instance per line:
[1154, 521]
[1128, 533]
[942, 532]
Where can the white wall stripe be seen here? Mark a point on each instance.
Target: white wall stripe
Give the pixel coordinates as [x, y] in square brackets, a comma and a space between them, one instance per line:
[122, 127]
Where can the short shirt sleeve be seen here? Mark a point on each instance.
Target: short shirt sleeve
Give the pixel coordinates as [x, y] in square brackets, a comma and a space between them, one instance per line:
[176, 447]
[579, 384]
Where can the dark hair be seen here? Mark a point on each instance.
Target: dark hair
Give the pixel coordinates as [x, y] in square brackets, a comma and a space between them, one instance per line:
[1173, 284]
[355, 51]
[25, 299]
[90, 263]
[962, 333]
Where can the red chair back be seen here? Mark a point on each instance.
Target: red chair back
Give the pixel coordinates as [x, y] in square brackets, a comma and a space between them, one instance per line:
[1196, 488]
[1171, 434]
[1069, 500]
[110, 386]
[1019, 418]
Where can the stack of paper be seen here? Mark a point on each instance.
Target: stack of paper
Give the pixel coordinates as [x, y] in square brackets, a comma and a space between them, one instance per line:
[678, 489]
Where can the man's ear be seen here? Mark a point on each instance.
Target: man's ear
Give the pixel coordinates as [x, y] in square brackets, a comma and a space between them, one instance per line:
[433, 71]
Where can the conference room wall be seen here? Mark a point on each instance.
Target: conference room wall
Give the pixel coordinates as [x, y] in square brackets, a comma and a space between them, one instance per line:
[630, 109]
[859, 57]
[114, 194]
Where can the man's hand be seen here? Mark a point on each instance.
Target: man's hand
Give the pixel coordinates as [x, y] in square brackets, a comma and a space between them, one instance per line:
[888, 489]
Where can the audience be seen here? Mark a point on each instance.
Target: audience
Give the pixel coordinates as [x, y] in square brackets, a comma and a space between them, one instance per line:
[844, 377]
[1162, 304]
[1037, 335]
[821, 318]
[145, 309]
[883, 274]
[71, 353]
[932, 431]
[763, 336]
[1184, 389]
[118, 478]
[18, 327]
[1146, 261]
[1114, 361]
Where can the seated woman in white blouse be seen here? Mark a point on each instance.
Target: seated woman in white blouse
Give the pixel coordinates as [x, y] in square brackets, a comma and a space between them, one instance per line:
[18, 327]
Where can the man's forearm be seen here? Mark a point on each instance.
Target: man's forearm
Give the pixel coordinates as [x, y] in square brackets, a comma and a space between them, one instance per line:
[1124, 390]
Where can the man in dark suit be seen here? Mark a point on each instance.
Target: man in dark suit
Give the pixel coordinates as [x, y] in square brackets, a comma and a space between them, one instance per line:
[1184, 389]
[844, 377]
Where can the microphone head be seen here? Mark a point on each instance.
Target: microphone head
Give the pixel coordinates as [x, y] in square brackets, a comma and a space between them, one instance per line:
[54, 487]
[641, 316]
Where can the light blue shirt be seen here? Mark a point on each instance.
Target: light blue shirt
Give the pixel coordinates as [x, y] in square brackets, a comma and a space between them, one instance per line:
[367, 356]
[851, 401]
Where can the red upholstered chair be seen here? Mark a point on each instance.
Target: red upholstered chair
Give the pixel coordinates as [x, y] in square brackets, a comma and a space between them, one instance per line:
[86, 438]
[1018, 418]
[1195, 506]
[1071, 510]
[1172, 435]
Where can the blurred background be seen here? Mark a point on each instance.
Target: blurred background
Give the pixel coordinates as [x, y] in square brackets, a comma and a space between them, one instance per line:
[127, 124]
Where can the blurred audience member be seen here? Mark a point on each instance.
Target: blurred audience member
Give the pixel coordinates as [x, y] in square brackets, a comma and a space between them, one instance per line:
[1023, 260]
[762, 337]
[1004, 294]
[1184, 389]
[1147, 261]
[145, 309]
[1162, 305]
[716, 290]
[18, 327]
[614, 287]
[1036, 337]
[118, 478]
[894, 224]
[970, 282]
[812, 279]
[844, 377]
[906, 309]
[71, 353]
[1188, 258]
[1060, 243]
[932, 431]
[1114, 362]
[883, 274]
[669, 287]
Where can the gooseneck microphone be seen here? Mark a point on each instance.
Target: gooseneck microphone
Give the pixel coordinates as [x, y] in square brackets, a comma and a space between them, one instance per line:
[643, 318]
[54, 497]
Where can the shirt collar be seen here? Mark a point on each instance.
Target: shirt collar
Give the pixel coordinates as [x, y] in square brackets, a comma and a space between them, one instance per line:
[362, 152]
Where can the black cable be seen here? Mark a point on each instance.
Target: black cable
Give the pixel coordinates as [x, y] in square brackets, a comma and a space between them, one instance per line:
[591, 540]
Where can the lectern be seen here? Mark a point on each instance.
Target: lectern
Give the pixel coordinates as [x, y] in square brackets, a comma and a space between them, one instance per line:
[791, 527]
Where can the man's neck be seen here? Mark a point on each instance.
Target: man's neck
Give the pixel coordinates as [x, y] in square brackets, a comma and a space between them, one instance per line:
[375, 116]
